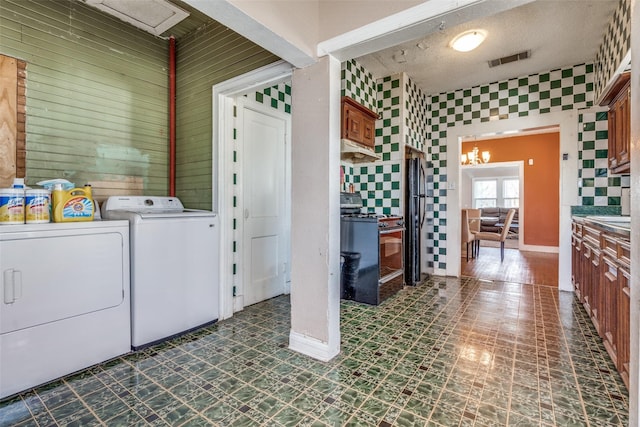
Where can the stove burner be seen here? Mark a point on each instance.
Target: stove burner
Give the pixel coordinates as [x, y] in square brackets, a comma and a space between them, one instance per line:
[367, 215]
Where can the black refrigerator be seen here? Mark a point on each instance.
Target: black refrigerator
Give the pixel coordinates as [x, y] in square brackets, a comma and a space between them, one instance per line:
[415, 211]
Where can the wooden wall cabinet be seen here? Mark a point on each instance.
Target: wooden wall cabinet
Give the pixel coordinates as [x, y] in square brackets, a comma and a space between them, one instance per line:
[358, 122]
[618, 98]
[600, 272]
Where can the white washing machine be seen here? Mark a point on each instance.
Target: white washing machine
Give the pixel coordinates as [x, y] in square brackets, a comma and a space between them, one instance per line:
[174, 266]
[65, 299]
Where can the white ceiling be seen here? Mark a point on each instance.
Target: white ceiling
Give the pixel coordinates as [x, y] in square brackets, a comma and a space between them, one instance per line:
[557, 32]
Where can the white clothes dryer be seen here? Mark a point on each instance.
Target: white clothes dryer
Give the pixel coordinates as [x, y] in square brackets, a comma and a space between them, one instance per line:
[65, 299]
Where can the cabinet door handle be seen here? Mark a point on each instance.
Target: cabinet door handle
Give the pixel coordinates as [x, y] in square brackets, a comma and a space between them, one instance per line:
[12, 285]
[246, 213]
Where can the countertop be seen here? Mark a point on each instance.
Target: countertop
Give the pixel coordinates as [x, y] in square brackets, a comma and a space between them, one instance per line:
[613, 223]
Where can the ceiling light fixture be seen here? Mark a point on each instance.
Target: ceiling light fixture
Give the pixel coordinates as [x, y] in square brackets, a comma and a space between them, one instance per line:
[468, 40]
[474, 158]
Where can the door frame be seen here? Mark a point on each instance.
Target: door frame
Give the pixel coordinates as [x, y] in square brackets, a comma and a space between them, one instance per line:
[223, 101]
[567, 121]
[240, 148]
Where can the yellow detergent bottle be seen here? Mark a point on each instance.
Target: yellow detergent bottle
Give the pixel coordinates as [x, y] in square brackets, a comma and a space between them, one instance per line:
[72, 205]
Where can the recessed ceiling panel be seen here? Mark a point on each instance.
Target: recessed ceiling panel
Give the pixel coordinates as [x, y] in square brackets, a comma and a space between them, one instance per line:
[153, 16]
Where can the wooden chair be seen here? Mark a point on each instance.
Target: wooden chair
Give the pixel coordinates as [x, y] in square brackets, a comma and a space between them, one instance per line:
[467, 236]
[474, 226]
[497, 237]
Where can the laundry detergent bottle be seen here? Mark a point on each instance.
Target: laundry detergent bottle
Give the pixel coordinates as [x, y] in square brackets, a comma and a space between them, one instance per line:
[72, 205]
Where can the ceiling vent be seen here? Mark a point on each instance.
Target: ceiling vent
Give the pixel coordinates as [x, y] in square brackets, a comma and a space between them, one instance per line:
[511, 58]
[153, 16]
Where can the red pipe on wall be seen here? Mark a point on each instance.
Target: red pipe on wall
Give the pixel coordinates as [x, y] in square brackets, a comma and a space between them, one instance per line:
[172, 116]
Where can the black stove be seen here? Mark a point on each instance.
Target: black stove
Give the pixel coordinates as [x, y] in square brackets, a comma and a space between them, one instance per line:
[371, 247]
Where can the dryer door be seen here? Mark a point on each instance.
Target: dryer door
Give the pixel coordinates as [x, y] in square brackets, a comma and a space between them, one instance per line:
[46, 278]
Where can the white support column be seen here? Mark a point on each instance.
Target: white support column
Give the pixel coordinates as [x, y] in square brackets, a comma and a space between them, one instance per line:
[315, 210]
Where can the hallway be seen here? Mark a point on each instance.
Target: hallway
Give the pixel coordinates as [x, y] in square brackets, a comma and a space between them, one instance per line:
[448, 352]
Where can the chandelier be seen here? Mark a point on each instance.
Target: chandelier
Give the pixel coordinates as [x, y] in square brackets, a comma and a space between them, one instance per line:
[474, 157]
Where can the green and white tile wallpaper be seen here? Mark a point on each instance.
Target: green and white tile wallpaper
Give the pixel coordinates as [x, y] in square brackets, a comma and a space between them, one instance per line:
[389, 145]
[389, 127]
[556, 90]
[415, 114]
[616, 44]
[380, 183]
[358, 84]
[404, 112]
[403, 120]
[596, 185]
[349, 176]
[377, 182]
[277, 97]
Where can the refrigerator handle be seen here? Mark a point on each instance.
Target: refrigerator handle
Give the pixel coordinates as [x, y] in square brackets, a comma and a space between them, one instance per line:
[422, 182]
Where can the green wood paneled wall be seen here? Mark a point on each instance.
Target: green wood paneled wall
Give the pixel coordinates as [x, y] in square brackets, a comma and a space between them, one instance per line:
[211, 55]
[97, 93]
[97, 97]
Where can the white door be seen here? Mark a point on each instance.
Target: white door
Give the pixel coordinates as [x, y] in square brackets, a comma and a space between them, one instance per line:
[263, 188]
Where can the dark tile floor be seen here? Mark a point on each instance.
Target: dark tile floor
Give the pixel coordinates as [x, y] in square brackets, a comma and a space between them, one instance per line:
[450, 352]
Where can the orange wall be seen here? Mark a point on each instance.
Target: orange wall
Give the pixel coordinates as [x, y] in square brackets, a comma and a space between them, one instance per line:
[541, 180]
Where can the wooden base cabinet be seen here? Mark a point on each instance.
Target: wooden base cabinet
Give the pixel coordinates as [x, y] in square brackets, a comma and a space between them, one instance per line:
[624, 329]
[609, 323]
[596, 298]
[601, 271]
[591, 274]
[576, 260]
[624, 320]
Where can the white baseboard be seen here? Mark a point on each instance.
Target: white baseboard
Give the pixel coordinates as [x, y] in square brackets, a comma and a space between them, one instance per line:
[511, 244]
[439, 272]
[311, 347]
[238, 303]
[536, 248]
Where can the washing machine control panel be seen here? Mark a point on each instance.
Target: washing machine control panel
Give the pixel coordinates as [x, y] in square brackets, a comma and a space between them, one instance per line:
[144, 204]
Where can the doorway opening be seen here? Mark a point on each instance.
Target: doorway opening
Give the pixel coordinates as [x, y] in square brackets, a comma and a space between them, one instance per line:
[263, 197]
[565, 123]
[225, 170]
[528, 183]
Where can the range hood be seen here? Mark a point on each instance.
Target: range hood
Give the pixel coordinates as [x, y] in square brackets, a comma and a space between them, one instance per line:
[356, 153]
